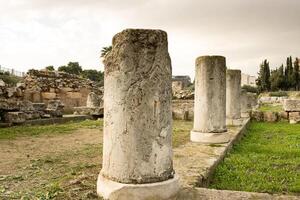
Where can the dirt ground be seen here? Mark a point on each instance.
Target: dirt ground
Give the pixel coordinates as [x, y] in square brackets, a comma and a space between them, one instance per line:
[66, 166]
[48, 167]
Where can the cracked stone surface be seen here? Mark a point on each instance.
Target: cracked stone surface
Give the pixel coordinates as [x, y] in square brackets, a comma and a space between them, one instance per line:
[210, 95]
[137, 108]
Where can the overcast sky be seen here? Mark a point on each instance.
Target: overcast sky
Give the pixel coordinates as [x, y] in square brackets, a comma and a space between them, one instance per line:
[37, 33]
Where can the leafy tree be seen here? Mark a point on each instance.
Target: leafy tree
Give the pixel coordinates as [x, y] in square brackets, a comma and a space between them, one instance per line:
[250, 88]
[9, 79]
[277, 79]
[71, 68]
[281, 77]
[275, 85]
[296, 74]
[93, 75]
[50, 68]
[290, 74]
[105, 51]
[263, 80]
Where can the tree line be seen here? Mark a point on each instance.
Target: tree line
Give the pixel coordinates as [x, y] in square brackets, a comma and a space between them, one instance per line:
[282, 78]
[75, 68]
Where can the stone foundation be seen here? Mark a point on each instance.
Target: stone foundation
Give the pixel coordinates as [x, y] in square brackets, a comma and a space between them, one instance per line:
[72, 90]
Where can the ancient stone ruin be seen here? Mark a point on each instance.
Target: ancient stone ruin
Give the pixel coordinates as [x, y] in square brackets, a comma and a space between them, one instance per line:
[180, 87]
[72, 90]
[210, 101]
[49, 94]
[14, 109]
[94, 106]
[137, 151]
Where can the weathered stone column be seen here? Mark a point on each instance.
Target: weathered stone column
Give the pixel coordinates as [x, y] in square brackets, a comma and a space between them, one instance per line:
[245, 104]
[210, 101]
[137, 141]
[233, 97]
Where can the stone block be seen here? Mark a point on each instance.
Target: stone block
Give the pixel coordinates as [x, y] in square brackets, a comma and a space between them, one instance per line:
[8, 105]
[95, 111]
[66, 89]
[291, 105]
[55, 108]
[30, 115]
[93, 100]
[257, 116]
[15, 117]
[74, 95]
[39, 106]
[294, 117]
[283, 115]
[25, 105]
[270, 116]
[2, 83]
[11, 92]
[48, 95]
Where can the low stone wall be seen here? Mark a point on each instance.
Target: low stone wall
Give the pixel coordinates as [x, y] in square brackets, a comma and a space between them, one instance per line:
[13, 111]
[271, 100]
[269, 116]
[183, 109]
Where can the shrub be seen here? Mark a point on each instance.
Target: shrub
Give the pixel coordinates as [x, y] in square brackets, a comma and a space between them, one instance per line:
[9, 79]
[249, 88]
[278, 94]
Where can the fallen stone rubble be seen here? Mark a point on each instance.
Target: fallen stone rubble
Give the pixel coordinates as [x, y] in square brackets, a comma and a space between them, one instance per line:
[94, 106]
[15, 110]
[183, 94]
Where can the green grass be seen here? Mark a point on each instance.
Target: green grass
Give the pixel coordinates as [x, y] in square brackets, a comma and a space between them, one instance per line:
[266, 160]
[270, 107]
[181, 132]
[18, 131]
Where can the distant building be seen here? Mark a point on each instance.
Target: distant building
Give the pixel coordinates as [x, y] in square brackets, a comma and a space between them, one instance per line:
[180, 82]
[248, 80]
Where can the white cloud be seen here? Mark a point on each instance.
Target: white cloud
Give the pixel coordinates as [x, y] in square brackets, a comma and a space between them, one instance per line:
[36, 33]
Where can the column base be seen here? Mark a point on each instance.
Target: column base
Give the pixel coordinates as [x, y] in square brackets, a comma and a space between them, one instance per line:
[234, 122]
[112, 190]
[210, 138]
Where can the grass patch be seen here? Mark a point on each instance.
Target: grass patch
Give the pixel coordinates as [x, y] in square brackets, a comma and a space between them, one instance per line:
[266, 160]
[270, 107]
[17, 131]
[181, 132]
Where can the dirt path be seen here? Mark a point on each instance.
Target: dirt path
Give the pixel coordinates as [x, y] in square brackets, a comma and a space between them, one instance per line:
[24, 149]
[59, 166]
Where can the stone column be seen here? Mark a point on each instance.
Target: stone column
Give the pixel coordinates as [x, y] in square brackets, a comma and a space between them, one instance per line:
[245, 107]
[137, 141]
[233, 97]
[210, 101]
